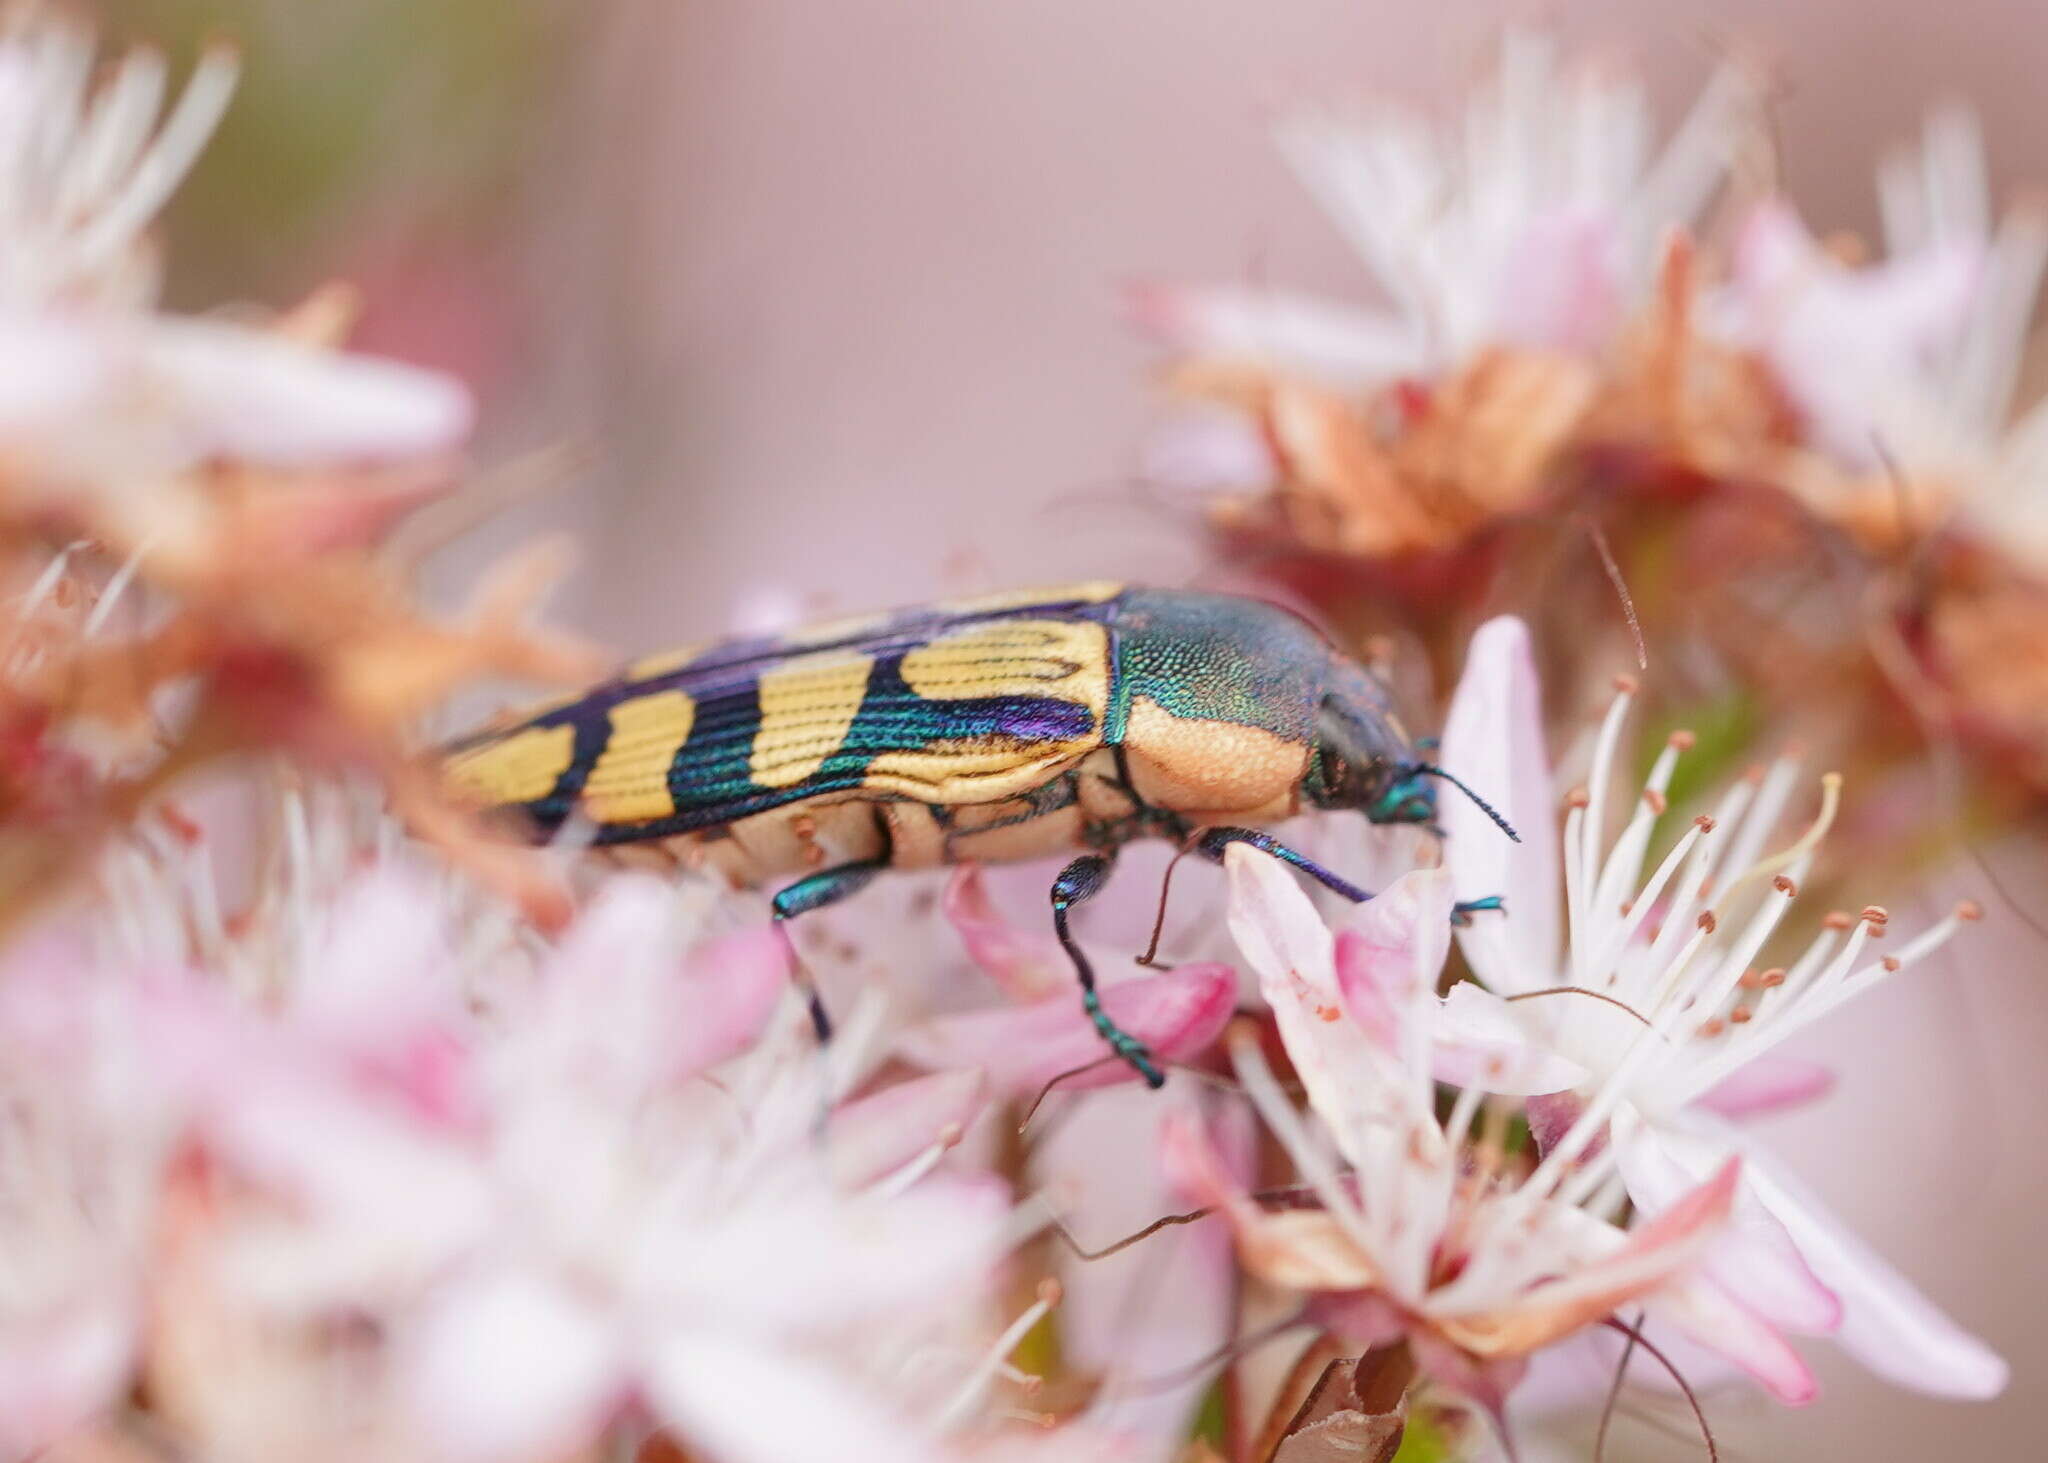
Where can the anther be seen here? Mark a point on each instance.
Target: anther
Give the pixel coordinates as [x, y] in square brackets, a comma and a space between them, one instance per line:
[1682, 740]
[1838, 919]
[1050, 1291]
[1655, 801]
[1327, 1013]
[1773, 978]
[1627, 685]
[1704, 823]
[1706, 921]
[1876, 914]
[1890, 963]
[1578, 797]
[1713, 1028]
[1969, 909]
[1741, 1015]
[1785, 885]
[1752, 980]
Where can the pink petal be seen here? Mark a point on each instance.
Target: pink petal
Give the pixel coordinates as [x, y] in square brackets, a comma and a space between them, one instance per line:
[509, 1365]
[1482, 1043]
[1027, 964]
[1769, 1084]
[1493, 740]
[814, 1258]
[58, 1371]
[743, 1402]
[1887, 1324]
[1389, 957]
[734, 984]
[1177, 1013]
[1755, 1261]
[1709, 1316]
[1291, 333]
[1561, 291]
[872, 1138]
[1145, 1313]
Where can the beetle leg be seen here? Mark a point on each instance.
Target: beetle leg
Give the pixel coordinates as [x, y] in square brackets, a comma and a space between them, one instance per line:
[1211, 842]
[1079, 880]
[817, 891]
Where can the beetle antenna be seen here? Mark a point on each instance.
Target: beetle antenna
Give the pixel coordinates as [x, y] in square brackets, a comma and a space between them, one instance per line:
[1430, 769]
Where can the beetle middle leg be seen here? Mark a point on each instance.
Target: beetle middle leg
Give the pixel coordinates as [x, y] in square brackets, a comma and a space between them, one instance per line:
[1079, 880]
[819, 891]
[1211, 842]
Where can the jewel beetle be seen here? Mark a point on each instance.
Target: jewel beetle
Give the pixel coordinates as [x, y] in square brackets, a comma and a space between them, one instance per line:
[1002, 728]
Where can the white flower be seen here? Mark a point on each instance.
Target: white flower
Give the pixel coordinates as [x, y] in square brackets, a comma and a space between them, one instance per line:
[1424, 1230]
[1649, 991]
[1535, 222]
[1912, 362]
[97, 386]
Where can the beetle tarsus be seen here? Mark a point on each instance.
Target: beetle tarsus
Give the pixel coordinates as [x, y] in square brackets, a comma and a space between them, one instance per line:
[1464, 909]
[1079, 880]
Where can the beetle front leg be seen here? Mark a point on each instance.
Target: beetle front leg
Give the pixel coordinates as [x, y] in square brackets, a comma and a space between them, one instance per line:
[1079, 880]
[1211, 842]
[818, 891]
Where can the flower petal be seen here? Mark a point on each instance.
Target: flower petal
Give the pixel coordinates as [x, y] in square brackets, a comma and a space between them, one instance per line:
[872, 1138]
[1300, 1249]
[1493, 740]
[1650, 1257]
[509, 1365]
[1705, 1313]
[1887, 1324]
[254, 394]
[1482, 1043]
[1027, 964]
[1756, 1261]
[1389, 956]
[58, 1370]
[1292, 333]
[1769, 1084]
[735, 982]
[1177, 1013]
[742, 1402]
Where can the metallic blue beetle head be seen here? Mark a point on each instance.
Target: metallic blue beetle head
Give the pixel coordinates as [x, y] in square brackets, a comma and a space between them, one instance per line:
[1364, 759]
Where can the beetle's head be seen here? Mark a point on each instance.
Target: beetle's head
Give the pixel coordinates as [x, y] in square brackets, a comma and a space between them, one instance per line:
[1364, 759]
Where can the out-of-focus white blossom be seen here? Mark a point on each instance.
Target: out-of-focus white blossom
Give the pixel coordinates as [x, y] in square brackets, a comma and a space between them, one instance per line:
[1536, 221]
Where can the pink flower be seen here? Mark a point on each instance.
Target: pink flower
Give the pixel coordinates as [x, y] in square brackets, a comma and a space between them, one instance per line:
[596, 1230]
[1645, 1010]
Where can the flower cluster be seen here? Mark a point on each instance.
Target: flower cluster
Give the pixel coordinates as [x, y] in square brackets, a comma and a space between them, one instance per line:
[191, 509]
[333, 1127]
[1597, 350]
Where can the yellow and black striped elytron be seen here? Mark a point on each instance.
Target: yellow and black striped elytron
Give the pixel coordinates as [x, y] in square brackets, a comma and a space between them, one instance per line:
[1002, 728]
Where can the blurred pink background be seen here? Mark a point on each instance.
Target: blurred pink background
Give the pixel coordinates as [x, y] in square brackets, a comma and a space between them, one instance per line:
[829, 291]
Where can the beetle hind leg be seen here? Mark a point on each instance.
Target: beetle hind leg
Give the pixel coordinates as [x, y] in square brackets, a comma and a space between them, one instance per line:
[818, 891]
[1079, 880]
